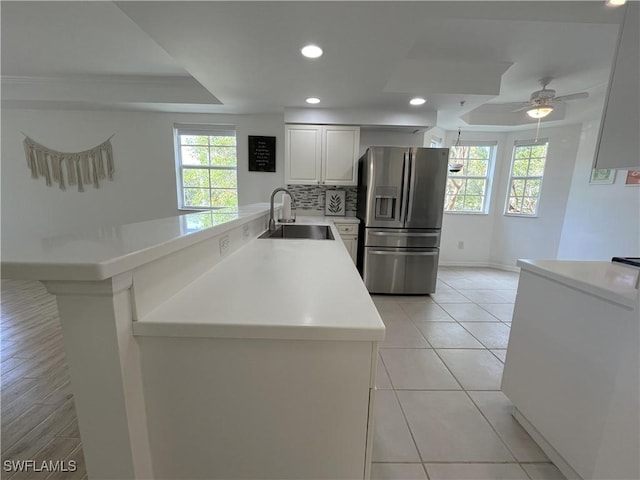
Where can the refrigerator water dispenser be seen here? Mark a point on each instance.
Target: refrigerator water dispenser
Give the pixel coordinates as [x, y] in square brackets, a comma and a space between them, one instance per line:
[385, 207]
[385, 203]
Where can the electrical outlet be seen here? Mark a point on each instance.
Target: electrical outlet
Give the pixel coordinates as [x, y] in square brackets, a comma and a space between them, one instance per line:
[245, 232]
[224, 244]
[460, 245]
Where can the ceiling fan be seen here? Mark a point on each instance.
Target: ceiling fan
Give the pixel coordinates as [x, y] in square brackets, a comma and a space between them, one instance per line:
[542, 101]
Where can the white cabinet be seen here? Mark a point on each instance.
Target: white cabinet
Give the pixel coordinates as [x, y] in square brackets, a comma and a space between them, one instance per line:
[618, 139]
[352, 246]
[303, 153]
[321, 154]
[340, 155]
[222, 408]
[349, 235]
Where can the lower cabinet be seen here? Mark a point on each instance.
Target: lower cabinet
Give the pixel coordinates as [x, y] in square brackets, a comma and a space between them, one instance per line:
[221, 408]
[572, 372]
[351, 242]
[349, 235]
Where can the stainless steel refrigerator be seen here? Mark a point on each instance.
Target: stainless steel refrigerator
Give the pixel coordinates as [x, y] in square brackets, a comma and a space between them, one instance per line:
[400, 206]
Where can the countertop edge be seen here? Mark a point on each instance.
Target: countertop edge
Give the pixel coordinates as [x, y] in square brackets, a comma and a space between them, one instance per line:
[103, 270]
[257, 332]
[628, 299]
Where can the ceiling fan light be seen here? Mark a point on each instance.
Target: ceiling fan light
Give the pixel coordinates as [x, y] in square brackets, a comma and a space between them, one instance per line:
[539, 112]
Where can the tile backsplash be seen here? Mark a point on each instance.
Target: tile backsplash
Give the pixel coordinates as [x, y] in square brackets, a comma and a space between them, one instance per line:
[311, 197]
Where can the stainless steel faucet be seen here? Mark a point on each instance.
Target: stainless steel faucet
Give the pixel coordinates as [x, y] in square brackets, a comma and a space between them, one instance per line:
[272, 221]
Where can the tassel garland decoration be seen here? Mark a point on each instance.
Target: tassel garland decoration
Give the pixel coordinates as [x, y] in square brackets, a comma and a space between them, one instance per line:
[81, 168]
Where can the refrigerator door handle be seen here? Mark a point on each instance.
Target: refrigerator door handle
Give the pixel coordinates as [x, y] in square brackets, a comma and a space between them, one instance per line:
[410, 187]
[404, 254]
[404, 195]
[404, 234]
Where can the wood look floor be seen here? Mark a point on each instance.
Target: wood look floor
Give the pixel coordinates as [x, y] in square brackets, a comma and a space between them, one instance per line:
[37, 410]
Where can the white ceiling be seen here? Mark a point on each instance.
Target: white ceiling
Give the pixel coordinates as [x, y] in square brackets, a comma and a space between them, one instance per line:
[243, 57]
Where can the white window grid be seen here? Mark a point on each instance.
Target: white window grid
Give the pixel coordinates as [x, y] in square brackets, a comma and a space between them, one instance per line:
[461, 154]
[208, 131]
[532, 200]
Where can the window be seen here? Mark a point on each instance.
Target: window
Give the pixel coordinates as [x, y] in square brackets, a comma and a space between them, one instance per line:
[467, 190]
[527, 169]
[207, 165]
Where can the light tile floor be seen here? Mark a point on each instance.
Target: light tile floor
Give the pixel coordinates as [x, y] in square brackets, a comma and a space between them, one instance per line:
[439, 411]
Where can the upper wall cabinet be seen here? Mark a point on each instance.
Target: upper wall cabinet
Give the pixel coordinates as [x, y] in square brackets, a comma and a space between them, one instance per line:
[321, 154]
[303, 154]
[618, 145]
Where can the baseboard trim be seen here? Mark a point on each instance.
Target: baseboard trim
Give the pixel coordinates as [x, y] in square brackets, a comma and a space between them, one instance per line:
[546, 447]
[501, 266]
[497, 266]
[463, 264]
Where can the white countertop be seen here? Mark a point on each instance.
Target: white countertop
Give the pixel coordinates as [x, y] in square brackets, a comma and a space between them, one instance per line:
[614, 282]
[101, 253]
[270, 288]
[274, 288]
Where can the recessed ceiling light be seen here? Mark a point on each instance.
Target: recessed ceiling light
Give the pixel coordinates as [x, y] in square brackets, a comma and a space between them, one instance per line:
[417, 101]
[312, 100]
[615, 3]
[311, 51]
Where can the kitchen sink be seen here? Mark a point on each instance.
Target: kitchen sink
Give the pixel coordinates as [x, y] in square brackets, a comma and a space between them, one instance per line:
[311, 232]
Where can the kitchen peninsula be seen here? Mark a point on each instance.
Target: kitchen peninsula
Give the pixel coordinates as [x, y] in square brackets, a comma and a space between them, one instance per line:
[572, 367]
[197, 350]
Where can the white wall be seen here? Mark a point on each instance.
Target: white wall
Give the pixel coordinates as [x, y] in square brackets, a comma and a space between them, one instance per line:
[361, 116]
[601, 220]
[434, 133]
[474, 230]
[389, 138]
[496, 239]
[144, 185]
[539, 237]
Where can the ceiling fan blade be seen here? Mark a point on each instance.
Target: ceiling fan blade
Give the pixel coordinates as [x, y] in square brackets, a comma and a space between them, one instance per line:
[573, 96]
[524, 107]
[507, 107]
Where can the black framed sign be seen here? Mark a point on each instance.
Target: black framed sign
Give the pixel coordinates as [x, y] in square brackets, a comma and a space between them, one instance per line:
[262, 154]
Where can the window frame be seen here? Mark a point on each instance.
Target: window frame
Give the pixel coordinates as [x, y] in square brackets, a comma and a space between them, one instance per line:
[202, 130]
[493, 147]
[526, 143]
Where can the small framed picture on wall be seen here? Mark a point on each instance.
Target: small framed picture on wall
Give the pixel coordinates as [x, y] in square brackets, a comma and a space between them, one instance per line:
[262, 154]
[335, 202]
[633, 177]
[602, 176]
